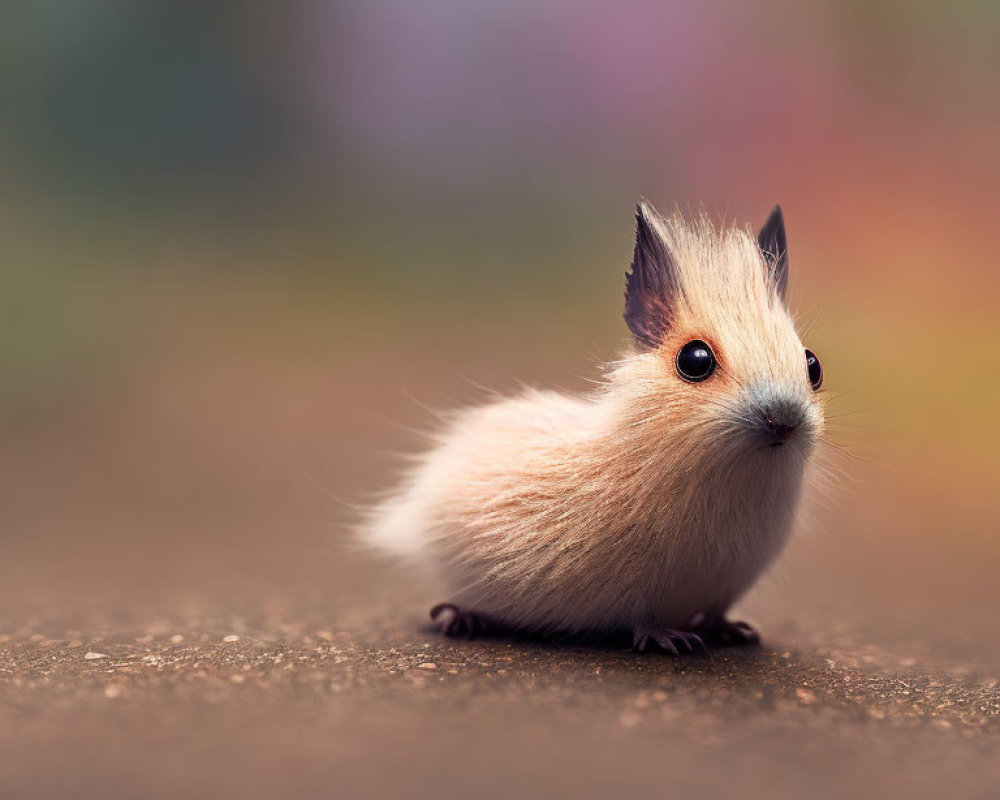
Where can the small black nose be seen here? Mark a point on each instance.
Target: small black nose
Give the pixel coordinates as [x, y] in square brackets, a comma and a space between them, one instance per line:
[779, 431]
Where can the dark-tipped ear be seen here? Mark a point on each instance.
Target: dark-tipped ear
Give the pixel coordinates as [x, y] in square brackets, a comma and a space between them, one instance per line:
[774, 246]
[651, 283]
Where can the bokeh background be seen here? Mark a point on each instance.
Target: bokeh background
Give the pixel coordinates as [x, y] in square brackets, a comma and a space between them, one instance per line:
[246, 246]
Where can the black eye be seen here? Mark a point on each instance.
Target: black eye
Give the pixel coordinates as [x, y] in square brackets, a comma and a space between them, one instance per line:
[814, 368]
[695, 361]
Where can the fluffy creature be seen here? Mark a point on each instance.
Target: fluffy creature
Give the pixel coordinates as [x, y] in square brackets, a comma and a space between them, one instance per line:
[652, 504]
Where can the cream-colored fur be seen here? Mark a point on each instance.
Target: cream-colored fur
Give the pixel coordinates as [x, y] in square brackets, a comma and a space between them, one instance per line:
[650, 500]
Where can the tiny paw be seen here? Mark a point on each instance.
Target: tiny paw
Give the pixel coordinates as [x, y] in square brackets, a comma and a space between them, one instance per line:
[647, 638]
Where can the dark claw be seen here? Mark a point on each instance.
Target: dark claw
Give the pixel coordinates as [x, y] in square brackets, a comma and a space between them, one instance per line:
[669, 640]
[693, 642]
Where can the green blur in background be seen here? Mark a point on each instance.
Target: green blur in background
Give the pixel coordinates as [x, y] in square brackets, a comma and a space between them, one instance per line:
[459, 178]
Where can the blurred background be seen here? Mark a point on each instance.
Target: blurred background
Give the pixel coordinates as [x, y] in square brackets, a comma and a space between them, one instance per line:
[247, 245]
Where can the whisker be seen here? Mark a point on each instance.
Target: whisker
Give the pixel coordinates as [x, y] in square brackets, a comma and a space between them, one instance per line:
[850, 413]
[842, 449]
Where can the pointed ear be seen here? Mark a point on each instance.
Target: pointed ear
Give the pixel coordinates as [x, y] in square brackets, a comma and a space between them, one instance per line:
[651, 283]
[774, 246]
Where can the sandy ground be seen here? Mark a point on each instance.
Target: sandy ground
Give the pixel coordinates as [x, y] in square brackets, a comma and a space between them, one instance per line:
[181, 615]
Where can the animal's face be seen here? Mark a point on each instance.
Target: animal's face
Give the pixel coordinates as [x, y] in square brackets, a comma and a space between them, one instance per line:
[709, 307]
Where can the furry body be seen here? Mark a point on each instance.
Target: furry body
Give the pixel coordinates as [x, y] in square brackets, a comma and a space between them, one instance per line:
[648, 502]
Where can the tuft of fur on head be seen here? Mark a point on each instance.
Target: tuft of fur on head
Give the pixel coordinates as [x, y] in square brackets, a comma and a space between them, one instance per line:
[653, 497]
